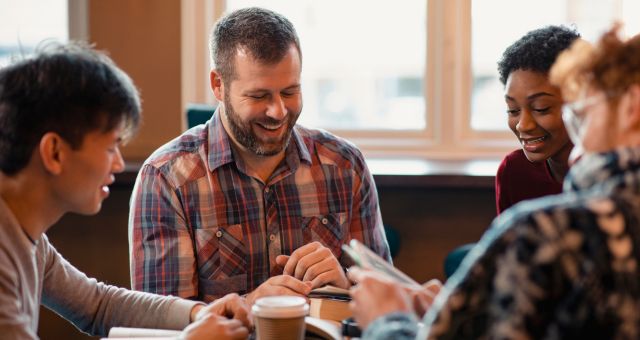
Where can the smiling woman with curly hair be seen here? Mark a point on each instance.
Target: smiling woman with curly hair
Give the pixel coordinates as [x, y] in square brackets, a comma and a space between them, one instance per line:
[534, 116]
[558, 267]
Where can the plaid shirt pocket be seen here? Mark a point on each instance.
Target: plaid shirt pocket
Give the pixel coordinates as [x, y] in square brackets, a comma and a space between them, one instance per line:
[327, 229]
[222, 260]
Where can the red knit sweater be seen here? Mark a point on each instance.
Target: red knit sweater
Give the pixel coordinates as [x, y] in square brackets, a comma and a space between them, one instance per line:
[519, 179]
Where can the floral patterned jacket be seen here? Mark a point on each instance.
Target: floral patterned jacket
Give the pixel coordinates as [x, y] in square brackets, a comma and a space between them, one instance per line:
[559, 267]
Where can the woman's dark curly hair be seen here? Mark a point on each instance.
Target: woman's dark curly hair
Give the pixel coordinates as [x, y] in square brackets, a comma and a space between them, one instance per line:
[536, 51]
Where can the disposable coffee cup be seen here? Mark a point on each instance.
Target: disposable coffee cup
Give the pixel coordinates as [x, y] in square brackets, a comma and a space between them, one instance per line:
[280, 317]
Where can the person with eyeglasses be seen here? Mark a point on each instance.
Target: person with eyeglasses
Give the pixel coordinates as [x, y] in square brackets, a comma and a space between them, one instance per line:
[562, 266]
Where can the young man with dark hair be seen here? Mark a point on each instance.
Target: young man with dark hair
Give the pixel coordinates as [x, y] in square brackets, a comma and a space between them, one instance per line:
[63, 115]
[230, 205]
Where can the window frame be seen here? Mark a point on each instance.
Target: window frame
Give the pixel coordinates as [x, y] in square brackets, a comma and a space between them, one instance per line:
[78, 19]
[448, 86]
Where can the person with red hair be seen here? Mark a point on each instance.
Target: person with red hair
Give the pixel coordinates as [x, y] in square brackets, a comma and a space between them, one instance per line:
[562, 266]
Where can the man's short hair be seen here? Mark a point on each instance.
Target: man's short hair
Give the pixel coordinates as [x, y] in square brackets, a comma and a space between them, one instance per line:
[67, 89]
[536, 51]
[264, 34]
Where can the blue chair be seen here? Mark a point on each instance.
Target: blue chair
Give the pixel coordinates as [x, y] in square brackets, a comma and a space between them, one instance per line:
[455, 257]
[198, 114]
[393, 238]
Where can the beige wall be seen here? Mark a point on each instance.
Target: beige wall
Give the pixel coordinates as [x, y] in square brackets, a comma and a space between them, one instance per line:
[143, 38]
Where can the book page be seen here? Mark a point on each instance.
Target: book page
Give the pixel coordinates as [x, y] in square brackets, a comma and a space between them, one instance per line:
[330, 330]
[127, 332]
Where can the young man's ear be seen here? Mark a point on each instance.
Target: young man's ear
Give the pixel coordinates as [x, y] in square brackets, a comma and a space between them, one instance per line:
[51, 152]
[216, 85]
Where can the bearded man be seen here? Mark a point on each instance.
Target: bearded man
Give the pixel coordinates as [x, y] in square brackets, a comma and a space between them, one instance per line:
[250, 202]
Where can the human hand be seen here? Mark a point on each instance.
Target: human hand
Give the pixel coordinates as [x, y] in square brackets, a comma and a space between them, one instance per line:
[316, 263]
[215, 326]
[375, 295]
[231, 306]
[422, 299]
[280, 285]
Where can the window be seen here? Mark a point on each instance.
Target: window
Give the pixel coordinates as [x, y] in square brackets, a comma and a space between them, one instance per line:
[418, 78]
[26, 23]
[489, 40]
[359, 74]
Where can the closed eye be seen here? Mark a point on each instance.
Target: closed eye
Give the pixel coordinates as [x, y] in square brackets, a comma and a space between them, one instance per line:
[513, 112]
[542, 110]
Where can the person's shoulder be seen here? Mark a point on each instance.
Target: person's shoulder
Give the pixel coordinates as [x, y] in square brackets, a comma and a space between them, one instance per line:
[576, 216]
[188, 142]
[9, 262]
[181, 154]
[329, 147]
[507, 163]
[552, 211]
[5, 241]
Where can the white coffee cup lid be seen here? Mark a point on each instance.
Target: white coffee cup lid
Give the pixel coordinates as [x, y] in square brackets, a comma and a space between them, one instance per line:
[280, 306]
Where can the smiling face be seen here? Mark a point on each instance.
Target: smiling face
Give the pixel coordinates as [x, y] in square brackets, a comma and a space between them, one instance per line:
[86, 173]
[535, 116]
[262, 103]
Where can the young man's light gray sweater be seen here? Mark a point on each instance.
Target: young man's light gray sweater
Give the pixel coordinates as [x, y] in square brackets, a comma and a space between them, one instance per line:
[31, 274]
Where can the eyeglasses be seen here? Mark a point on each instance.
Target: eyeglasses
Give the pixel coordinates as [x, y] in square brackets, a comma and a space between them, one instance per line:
[574, 117]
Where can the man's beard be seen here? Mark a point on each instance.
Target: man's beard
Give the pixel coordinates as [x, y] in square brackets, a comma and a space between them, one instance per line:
[244, 134]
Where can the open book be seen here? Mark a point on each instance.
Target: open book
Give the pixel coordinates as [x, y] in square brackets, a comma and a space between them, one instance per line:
[316, 329]
[323, 329]
[142, 333]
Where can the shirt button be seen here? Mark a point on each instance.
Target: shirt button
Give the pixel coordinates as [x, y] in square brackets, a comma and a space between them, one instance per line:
[266, 189]
[218, 234]
[272, 237]
[325, 221]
